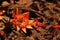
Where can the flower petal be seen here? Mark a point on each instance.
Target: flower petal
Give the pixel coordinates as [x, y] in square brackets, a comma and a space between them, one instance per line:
[18, 28]
[25, 15]
[24, 30]
[31, 21]
[29, 27]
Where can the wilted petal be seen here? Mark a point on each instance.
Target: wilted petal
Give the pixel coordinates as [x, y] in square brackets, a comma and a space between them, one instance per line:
[18, 28]
[24, 30]
[29, 27]
[31, 21]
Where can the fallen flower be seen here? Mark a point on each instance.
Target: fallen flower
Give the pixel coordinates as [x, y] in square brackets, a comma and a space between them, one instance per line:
[57, 26]
[2, 33]
[21, 21]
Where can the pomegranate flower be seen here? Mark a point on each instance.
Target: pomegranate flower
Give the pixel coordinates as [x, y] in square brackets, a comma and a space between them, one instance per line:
[21, 21]
[57, 26]
[2, 33]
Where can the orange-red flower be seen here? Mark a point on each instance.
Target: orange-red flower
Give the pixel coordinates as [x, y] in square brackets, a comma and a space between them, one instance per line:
[21, 21]
[57, 26]
[2, 33]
